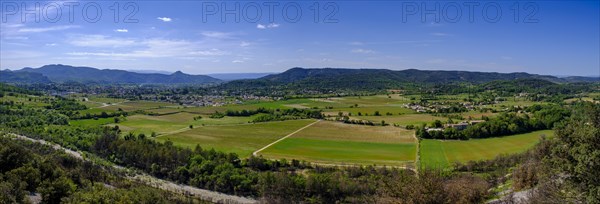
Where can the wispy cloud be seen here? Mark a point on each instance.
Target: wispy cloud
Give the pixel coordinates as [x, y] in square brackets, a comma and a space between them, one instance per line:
[121, 30]
[439, 34]
[46, 29]
[272, 25]
[16, 38]
[99, 41]
[245, 44]
[237, 61]
[215, 34]
[356, 43]
[155, 48]
[165, 19]
[362, 51]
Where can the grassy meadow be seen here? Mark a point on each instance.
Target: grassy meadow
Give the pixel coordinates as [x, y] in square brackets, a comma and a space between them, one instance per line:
[242, 139]
[338, 143]
[442, 153]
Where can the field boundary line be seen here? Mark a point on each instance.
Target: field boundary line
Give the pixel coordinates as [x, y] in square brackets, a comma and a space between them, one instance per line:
[283, 138]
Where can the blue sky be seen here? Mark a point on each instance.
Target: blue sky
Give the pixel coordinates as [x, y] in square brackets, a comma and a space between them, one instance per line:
[549, 37]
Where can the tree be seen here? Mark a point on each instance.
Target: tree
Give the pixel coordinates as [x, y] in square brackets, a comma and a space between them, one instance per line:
[54, 191]
[577, 151]
[437, 124]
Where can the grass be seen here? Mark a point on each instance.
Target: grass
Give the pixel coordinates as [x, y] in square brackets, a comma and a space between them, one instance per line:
[336, 131]
[26, 100]
[333, 142]
[147, 124]
[240, 139]
[92, 122]
[342, 152]
[405, 119]
[165, 124]
[370, 110]
[105, 99]
[438, 153]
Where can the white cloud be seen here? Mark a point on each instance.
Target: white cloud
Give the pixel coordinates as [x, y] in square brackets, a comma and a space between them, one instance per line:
[215, 34]
[16, 38]
[51, 44]
[165, 19]
[99, 41]
[362, 51]
[439, 34]
[272, 25]
[244, 44]
[46, 29]
[237, 61]
[121, 30]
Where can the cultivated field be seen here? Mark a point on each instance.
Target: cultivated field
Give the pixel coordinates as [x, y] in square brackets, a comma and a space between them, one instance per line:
[241, 139]
[338, 143]
[404, 119]
[438, 153]
[169, 123]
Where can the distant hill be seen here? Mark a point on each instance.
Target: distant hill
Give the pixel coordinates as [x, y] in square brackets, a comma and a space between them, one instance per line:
[22, 77]
[65, 73]
[237, 76]
[366, 79]
[144, 71]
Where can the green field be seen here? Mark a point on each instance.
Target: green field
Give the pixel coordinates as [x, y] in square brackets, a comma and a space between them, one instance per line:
[92, 122]
[241, 139]
[169, 123]
[438, 153]
[342, 152]
[404, 119]
[338, 143]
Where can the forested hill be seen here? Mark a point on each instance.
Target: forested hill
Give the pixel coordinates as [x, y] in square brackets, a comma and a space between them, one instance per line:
[22, 77]
[409, 75]
[369, 79]
[65, 73]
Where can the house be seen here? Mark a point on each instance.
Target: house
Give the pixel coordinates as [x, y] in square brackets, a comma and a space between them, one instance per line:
[434, 129]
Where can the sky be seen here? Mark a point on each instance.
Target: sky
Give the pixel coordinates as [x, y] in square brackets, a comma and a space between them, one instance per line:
[202, 37]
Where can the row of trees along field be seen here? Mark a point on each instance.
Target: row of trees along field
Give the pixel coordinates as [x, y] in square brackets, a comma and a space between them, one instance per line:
[536, 117]
[267, 115]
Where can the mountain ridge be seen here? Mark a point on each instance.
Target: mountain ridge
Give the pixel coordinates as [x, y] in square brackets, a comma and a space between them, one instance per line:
[67, 73]
[297, 76]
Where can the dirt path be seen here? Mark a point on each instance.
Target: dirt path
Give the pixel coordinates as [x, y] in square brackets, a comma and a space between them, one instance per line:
[418, 156]
[206, 195]
[104, 104]
[174, 132]
[255, 153]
